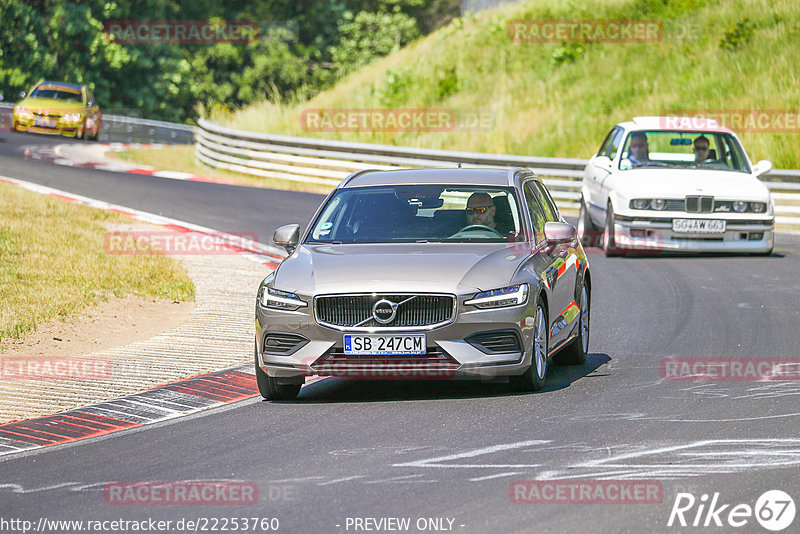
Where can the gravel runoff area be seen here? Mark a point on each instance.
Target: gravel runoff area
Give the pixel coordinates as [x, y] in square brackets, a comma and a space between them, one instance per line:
[218, 334]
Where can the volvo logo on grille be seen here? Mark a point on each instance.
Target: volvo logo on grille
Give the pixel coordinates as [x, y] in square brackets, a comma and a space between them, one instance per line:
[384, 311]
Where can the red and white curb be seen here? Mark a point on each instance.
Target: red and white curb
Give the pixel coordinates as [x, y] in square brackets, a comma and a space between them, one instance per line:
[266, 255]
[161, 403]
[58, 155]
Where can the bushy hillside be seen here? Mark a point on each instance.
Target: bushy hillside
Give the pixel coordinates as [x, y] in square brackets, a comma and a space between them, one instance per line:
[559, 99]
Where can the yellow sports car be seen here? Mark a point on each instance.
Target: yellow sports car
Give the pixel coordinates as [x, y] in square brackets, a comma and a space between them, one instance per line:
[58, 108]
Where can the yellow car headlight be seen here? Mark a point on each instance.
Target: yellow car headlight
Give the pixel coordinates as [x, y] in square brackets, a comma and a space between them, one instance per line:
[72, 117]
[23, 112]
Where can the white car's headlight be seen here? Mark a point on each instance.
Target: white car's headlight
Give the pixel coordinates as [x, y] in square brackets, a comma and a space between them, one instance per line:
[758, 207]
[740, 206]
[280, 300]
[639, 203]
[500, 298]
[658, 204]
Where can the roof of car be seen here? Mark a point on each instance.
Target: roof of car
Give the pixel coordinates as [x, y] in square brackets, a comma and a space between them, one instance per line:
[676, 124]
[459, 176]
[62, 84]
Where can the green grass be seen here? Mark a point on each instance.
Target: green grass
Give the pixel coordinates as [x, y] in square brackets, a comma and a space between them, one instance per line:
[560, 100]
[53, 263]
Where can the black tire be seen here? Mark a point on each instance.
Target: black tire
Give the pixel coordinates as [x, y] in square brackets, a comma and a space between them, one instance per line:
[609, 243]
[534, 377]
[587, 231]
[576, 352]
[270, 389]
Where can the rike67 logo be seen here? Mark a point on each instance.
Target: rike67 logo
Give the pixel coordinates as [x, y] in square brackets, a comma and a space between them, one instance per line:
[774, 510]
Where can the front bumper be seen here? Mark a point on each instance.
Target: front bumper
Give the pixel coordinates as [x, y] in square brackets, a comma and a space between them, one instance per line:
[448, 353]
[62, 127]
[655, 235]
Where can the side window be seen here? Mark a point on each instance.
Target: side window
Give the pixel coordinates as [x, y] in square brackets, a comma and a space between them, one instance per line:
[615, 142]
[606, 143]
[550, 210]
[537, 214]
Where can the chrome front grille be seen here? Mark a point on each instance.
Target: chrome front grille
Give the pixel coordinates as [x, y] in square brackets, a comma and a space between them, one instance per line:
[356, 311]
[699, 204]
[675, 205]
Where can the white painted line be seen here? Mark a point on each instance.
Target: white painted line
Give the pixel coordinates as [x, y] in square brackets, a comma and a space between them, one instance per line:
[436, 462]
[499, 475]
[173, 175]
[337, 480]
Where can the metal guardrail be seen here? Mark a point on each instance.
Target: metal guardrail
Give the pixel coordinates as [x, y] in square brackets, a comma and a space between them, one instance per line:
[325, 162]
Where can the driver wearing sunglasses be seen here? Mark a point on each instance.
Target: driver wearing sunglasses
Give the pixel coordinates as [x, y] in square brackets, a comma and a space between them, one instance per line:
[701, 149]
[480, 210]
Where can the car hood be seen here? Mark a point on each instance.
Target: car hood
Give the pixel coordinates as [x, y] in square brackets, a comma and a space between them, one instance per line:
[677, 183]
[429, 267]
[50, 105]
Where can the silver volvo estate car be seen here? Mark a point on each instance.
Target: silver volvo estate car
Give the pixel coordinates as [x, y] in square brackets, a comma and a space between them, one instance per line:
[425, 274]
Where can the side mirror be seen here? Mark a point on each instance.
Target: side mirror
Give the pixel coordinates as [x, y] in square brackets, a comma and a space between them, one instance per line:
[1, 97]
[604, 162]
[556, 233]
[287, 236]
[23, 94]
[762, 167]
[90, 103]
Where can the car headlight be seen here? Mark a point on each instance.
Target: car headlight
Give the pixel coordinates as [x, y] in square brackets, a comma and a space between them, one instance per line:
[740, 206]
[72, 117]
[23, 112]
[279, 300]
[500, 298]
[758, 207]
[639, 203]
[658, 204]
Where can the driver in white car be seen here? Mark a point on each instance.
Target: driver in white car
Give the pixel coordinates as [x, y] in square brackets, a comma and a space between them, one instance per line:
[480, 210]
[701, 147]
[639, 150]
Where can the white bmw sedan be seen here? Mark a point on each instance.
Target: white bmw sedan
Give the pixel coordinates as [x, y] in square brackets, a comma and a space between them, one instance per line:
[672, 184]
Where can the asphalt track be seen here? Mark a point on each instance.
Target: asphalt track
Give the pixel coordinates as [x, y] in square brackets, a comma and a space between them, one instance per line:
[350, 450]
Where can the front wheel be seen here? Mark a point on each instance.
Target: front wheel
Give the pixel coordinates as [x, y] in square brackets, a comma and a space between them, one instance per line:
[533, 378]
[270, 389]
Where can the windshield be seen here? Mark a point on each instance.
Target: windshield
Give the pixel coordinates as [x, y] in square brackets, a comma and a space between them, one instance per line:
[418, 213]
[687, 150]
[57, 92]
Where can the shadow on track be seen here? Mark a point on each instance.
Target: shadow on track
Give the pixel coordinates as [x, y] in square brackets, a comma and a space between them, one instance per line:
[344, 390]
